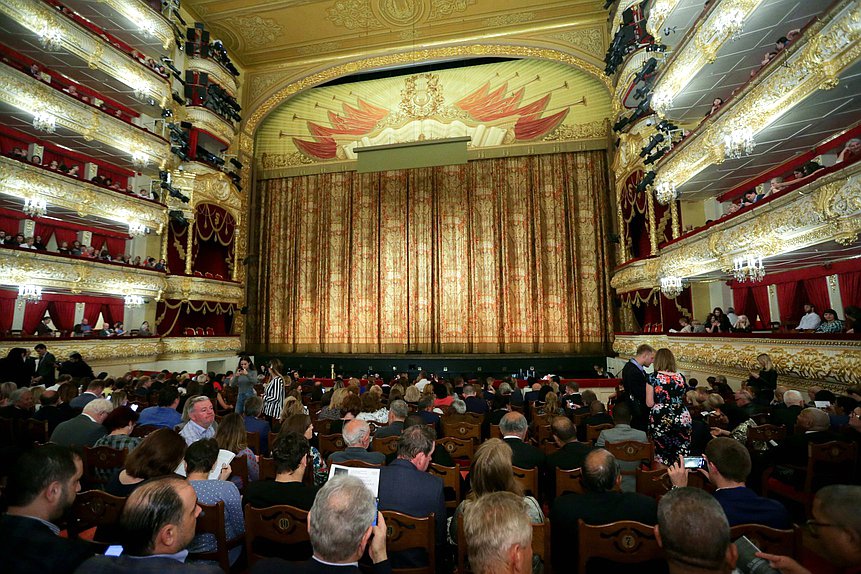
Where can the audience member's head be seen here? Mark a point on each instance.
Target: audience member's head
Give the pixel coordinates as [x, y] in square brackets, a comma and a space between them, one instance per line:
[158, 454]
[43, 482]
[563, 430]
[513, 424]
[416, 444]
[98, 409]
[121, 418]
[793, 398]
[200, 411]
[290, 452]
[168, 397]
[491, 469]
[694, 532]
[729, 461]
[458, 406]
[339, 523]
[357, 433]
[231, 434]
[837, 524]
[253, 406]
[200, 456]
[813, 419]
[398, 410]
[600, 471]
[622, 413]
[645, 354]
[159, 517]
[498, 532]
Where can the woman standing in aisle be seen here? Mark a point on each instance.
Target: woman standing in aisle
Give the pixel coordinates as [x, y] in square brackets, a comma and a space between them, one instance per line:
[669, 420]
[273, 396]
[245, 378]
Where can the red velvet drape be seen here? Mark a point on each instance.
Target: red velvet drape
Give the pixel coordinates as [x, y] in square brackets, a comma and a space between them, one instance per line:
[817, 293]
[787, 298]
[91, 312]
[759, 293]
[62, 314]
[850, 288]
[33, 314]
[9, 224]
[67, 235]
[113, 311]
[7, 309]
[670, 313]
[742, 301]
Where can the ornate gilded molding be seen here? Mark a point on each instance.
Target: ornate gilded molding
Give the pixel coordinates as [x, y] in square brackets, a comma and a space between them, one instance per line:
[214, 187]
[100, 351]
[146, 20]
[700, 47]
[208, 120]
[217, 73]
[200, 289]
[32, 96]
[827, 48]
[828, 362]
[96, 52]
[78, 275]
[827, 209]
[25, 181]
[630, 67]
[658, 13]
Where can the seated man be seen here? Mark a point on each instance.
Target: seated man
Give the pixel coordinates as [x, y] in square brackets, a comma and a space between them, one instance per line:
[474, 404]
[86, 428]
[513, 427]
[811, 320]
[793, 402]
[812, 427]
[340, 526]
[620, 433]
[20, 405]
[357, 437]
[251, 411]
[425, 411]
[498, 534]
[398, 412]
[158, 523]
[41, 488]
[597, 416]
[165, 414]
[201, 422]
[694, 533]
[600, 504]
[571, 453]
[728, 468]
[291, 456]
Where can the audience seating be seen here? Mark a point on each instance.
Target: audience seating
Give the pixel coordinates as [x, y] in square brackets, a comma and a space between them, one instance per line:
[495, 432]
[253, 440]
[279, 524]
[632, 451]
[101, 457]
[450, 476]
[541, 537]
[330, 443]
[593, 431]
[461, 431]
[239, 468]
[765, 433]
[653, 483]
[387, 445]
[527, 479]
[625, 541]
[458, 449]
[322, 426]
[568, 481]
[769, 540]
[141, 431]
[405, 532]
[94, 508]
[272, 437]
[836, 457]
[211, 521]
[359, 464]
[267, 468]
[35, 430]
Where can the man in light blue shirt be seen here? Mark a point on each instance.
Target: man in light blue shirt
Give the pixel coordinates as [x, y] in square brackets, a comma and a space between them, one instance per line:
[202, 420]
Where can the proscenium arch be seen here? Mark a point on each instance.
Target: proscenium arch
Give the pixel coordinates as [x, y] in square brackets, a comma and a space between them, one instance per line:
[412, 57]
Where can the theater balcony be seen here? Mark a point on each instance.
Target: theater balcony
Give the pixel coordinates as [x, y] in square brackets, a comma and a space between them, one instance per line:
[79, 52]
[216, 71]
[202, 288]
[827, 360]
[205, 119]
[33, 107]
[134, 21]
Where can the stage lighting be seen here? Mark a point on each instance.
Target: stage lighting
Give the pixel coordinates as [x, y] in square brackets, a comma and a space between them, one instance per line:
[653, 141]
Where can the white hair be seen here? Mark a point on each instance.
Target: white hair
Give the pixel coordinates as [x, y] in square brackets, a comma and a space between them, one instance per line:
[793, 397]
[98, 407]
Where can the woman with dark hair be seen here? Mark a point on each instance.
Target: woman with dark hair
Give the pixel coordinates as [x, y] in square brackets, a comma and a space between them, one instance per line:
[245, 378]
[301, 424]
[669, 419]
[200, 459]
[719, 322]
[830, 323]
[14, 367]
[442, 398]
[350, 409]
[120, 423]
[159, 454]
[273, 396]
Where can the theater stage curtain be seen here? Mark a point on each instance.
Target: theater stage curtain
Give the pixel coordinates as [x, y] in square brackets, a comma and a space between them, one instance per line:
[495, 256]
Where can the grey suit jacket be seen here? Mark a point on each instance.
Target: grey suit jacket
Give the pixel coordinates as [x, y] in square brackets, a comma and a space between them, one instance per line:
[622, 433]
[78, 432]
[357, 453]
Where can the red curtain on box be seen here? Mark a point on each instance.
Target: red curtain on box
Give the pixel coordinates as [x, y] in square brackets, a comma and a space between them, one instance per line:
[850, 288]
[742, 301]
[817, 293]
[115, 244]
[9, 224]
[62, 314]
[33, 314]
[213, 242]
[761, 306]
[174, 316]
[67, 235]
[670, 312]
[91, 312]
[787, 299]
[7, 309]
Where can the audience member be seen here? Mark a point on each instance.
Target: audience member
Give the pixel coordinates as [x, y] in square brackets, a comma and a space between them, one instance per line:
[245, 378]
[669, 420]
[831, 323]
[498, 534]
[811, 320]
[253, 408]
[474, 404]
[86, 428]
[159, 454]
[274, 392]
[76, 367]
[357, 437]
[231, 436]
[398, 412]
[850, 151]
[635, 379]
[201, 423]
[291, 456]
[20, 405]
[119, 424]
[45, 367]
[793, 403]
[513, 427]
[165, 414]
[622, 432]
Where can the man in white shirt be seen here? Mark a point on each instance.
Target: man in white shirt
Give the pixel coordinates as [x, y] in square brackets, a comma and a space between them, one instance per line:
[810, 321]
[730, 314]
[422, 382]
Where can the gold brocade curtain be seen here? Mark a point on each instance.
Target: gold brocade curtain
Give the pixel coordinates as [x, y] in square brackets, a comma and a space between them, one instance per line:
[495, 256]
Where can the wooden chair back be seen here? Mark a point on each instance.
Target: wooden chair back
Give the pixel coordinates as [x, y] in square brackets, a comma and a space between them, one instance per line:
[568, 481]
[527, 479]
[632, 451]
[653, 483]
[458, 449]
[323, 426]
[253, 440]
[359, 464]
[271, 443]
[102, 458]
[450, 476]
[580, 420]
[35, 430]
[544, 434]
[94, 508]
[625, 541]
[239, 468]
[461, 430]
[141, 431]
[495, 432]
[211, 521]
[267, 468]
[387, 445]
[279, 524]
[405, 532]
[593, 431]
[769, 540]
[330, 443]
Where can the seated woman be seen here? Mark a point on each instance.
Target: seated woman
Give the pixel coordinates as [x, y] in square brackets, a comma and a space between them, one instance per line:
[442, 398]
[850, 151]
[742, 325]
[231, 435]
[120, 423]
[830, 323]
[372, 406]
[159, 454]
[551, 406]
[350, 409]
[333, 410]
[301, 424]
[200, 459]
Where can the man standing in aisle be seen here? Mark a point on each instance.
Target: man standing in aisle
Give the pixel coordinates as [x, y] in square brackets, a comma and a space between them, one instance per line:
[45, 366]
[634, 379]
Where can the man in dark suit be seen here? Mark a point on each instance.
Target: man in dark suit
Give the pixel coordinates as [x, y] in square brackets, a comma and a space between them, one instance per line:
[158, 523]
[45, 370]
[513, 427]
[812, 427]
[533, 391]
[728, 468]
[20, 405]
[357, 437]
[50, 411]
[571, 454]
[600, 504]
[94, 391]
[425, 411]
[406, 487]
[473, 403]
[572, 399]
[793, 404]
[86, 428]
[341, 526]
[42, 329]
[76, 367]
[634, 379]
[398, 411]
[597, 416]
[42, 486]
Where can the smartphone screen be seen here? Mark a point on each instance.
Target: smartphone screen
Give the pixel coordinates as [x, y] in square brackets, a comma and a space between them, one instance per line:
[134, 407]
[822, 404]
[693, 462]
[377, 509]
[115, 550]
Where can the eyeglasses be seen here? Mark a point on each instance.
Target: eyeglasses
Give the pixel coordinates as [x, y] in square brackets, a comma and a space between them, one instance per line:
[813, 527]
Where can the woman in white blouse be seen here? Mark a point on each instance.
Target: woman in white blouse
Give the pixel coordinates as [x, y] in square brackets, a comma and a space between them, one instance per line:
[273, 396]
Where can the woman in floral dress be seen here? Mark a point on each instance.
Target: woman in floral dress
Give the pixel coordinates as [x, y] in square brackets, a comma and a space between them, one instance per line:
[669, 420]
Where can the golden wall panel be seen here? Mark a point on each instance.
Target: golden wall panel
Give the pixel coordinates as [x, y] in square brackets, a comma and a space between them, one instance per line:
[147, 348]
[206, 119]
[202, 289]
[153, 24]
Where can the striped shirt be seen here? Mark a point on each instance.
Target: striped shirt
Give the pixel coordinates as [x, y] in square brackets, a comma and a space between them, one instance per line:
[273, 397]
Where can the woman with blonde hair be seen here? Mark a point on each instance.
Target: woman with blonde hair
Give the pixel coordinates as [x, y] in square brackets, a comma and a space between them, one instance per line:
[333, 411]
[292, 406]
[412, 395]
[669, 419]
[551, 406]
[491, 471]
[763, 379]
[231, 435]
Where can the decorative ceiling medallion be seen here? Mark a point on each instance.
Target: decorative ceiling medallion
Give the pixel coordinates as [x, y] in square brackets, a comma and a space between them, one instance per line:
[258, 32]
[400, 13]
[353, 14]
[422, 96]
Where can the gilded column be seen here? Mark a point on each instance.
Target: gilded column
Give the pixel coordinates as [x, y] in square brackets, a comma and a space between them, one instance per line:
[624, 254]
[674, 217]
[650, 217]
[234, 271]
[188, 247]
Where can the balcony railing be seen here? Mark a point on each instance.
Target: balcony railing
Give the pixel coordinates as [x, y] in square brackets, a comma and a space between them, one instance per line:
[202, 289]
[112, 350]
[209, 121]
[820, 360]
[216, 72]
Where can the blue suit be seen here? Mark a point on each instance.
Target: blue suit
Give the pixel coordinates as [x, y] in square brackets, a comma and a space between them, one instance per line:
[743, 506]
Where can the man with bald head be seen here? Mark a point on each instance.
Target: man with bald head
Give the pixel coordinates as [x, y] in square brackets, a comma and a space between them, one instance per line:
[357, 437]
[602, 503]
[571, 453]
[812, 427]
[513, 427]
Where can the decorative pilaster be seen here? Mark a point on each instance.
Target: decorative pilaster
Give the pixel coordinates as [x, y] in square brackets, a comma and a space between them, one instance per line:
[650, 218]
[674, 218]
[189, 246]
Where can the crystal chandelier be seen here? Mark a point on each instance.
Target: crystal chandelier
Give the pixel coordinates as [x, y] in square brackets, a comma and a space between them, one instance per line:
[729, 23]
[133, 300]
[50, 38]
[35, 207]
[137, 228]
[29, 293]
[665, 192]
[43, 121]
[748, 266]
[671, 286]
[661, 101]
[738, 143]
[140, 160]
